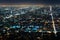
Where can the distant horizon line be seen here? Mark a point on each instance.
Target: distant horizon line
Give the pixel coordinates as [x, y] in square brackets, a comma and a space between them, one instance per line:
[25, 4]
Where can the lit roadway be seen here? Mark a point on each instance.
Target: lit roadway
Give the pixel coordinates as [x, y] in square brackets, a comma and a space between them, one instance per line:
[53, 21]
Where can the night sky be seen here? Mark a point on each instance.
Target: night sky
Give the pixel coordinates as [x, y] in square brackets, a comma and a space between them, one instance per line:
[30, 1]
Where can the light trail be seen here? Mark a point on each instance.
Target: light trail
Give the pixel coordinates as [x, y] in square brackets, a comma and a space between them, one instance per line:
[53, 20]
